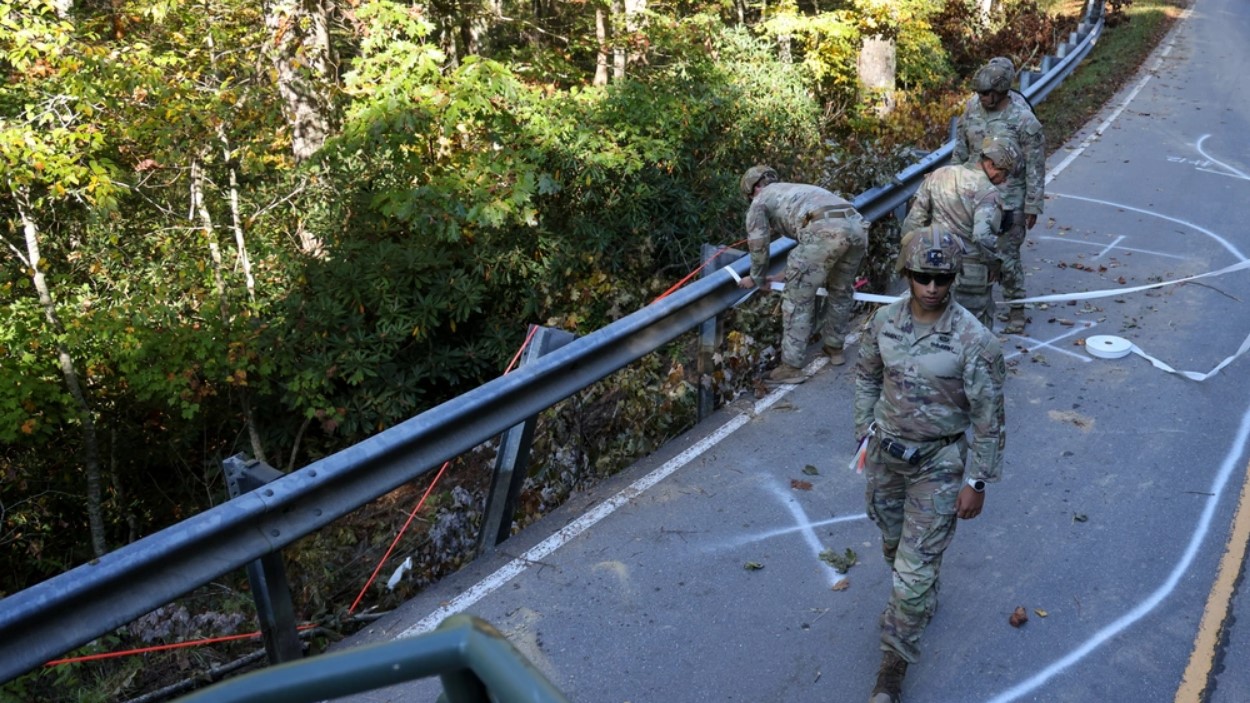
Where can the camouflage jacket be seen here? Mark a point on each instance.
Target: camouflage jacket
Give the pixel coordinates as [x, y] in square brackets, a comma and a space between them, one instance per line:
[1026, 185]
[784, 209]
[961, 200]
[938, 384]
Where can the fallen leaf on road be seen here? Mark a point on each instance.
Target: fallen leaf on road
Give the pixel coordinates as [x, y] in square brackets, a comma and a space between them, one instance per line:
[1040, 613]
[1019, 617]
[842, 585]
[811, 470]
[752, 566]
[800, 485]
[840, 562]
[1084, 423]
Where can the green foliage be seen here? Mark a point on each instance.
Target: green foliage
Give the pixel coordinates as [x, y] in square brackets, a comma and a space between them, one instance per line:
[827, 45]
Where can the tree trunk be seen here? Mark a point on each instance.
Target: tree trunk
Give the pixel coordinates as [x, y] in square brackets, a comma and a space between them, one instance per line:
[618, 52]
[223, 304]
[634, 10]
[301, 55]
[601, 39]
[90, 443]
[877, 69]
[985, 7]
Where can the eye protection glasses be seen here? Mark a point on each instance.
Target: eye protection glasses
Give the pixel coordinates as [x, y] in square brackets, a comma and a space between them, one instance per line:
[941, 279]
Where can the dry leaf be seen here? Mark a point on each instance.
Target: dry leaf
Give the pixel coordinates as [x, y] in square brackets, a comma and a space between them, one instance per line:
[752, 566]
[1040, 613]
[800, 485]
[1019, 617]
[842, 585]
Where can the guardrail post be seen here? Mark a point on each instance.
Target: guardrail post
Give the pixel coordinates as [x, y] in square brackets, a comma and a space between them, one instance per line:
[711, 331]
[512, 461]
[1095, 10]
[267, 575]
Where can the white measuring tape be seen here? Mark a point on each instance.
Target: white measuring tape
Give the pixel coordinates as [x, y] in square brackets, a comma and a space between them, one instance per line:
[1103, 346]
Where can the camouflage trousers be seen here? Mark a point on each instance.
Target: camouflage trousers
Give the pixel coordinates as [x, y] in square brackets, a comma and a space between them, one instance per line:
[1009, 243]
[914, 507]
[974, 291]
[828, 253]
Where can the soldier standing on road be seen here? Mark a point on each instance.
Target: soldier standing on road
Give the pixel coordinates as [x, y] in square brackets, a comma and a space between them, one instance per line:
[927, 373]
[832, 238]
[962, 199]
[996, 110]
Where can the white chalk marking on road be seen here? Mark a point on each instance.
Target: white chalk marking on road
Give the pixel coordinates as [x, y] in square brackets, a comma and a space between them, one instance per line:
[1067, 161]
[782, 531]
[1049, 344]
[1204, 522]
[804, 525]
[1107, 248]
[1184, 223]
[562, 536]
[1230, 463]
[1235, 173]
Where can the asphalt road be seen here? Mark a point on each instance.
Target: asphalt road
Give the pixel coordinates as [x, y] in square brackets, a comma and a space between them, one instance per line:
[1116, 525]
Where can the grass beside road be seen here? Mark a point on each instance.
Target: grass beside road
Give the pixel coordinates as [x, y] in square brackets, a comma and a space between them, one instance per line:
[1125, 44]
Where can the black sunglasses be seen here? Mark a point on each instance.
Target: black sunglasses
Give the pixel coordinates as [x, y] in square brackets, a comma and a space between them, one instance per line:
[924, 279]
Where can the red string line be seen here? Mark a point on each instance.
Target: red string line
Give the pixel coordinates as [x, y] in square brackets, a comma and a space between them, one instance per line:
[690, 275]
[163, 647]
[413, 514]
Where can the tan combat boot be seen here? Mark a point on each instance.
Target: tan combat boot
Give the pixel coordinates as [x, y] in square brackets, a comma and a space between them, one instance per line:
[785, 374]
[889, 687]
[836, 357]
[1015, 321]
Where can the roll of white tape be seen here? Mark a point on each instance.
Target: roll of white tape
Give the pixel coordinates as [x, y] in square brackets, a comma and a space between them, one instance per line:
[1105, 346]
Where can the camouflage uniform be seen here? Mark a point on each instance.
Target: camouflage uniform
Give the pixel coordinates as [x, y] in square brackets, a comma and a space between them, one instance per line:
[832, 238]
[961, 200]
[924, 388]
[1025, 189]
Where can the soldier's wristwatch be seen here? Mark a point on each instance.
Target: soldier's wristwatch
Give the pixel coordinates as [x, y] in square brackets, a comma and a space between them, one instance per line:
[976, 484]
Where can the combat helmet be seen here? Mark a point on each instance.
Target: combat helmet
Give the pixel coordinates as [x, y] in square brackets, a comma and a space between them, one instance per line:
[1001, 151]
[929, 250]
[997, 75]
[757, 175]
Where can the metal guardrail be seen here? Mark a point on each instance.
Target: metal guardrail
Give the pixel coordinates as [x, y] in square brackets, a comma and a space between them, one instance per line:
[473, 659]
[69, 610]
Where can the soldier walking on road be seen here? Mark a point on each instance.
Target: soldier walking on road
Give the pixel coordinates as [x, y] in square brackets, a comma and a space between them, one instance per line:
[927, 373]
[832, 238]
[996, 110]
[963, 199]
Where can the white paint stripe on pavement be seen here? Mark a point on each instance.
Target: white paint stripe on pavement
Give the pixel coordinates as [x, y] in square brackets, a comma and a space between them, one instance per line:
[561, 537]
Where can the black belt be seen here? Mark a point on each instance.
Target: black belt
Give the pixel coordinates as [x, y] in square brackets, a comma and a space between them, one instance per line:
[827, 213]
[913, 455]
